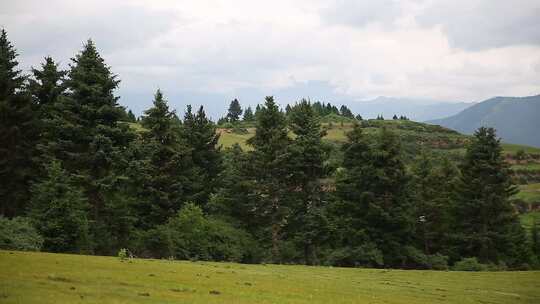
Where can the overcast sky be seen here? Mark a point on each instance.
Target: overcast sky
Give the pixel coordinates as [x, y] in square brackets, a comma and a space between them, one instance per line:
[212, 51]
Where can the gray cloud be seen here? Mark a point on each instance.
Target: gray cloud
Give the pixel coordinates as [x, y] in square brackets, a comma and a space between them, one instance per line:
[361, 13]
[210, 51]
[484, 24]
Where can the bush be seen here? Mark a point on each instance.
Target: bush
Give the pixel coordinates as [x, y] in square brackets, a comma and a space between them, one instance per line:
[19, 234]
[469, 264]
[192, 236]
[123, 254]
[366, 255]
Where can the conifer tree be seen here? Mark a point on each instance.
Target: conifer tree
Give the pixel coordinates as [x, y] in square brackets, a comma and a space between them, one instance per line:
[235, 111]
[18, 134]
[269, 162]
[47, 84]
[202, 138]
[248, 114]
[307, 157]
[374, 200]
[91, 142]
[486, 224]
[167, 169]
[59, 211]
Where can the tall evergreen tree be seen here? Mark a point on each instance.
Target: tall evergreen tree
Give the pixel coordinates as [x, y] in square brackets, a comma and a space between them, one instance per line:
[59, 211]
[166, 169]
[18, 134]
[307, 157]
[202, 138]
[374, 203]
[268, 161]
[248, 114]
[47, 84]
[486, 224]
[235, 111]
[91, 142]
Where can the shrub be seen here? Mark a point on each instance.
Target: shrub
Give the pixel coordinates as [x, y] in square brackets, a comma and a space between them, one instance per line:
[469, 264]
[19, 234]
[191, 235]
[123, 254]
[366, 255]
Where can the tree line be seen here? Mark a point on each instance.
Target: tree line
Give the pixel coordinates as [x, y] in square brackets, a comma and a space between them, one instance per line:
[75, 177]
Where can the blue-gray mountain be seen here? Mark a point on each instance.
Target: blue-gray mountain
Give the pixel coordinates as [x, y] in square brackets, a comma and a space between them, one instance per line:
[516, 119]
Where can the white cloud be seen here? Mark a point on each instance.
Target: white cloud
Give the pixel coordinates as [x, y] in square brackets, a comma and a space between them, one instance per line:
[221, 49]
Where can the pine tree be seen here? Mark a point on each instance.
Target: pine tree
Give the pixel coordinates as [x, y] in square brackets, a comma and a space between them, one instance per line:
[248, 114]
[374, 199]
[432, 194]
[268, 162]
[346, 112]
[166, 170]
[202, 138]
[18, 134]
[91, 142]
[131, 117]
[47, 84]
[486, 225]
[235, 111]
[307, 157]
[59, 211]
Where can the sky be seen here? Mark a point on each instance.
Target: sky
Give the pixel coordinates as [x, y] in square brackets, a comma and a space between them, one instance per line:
[211, 51]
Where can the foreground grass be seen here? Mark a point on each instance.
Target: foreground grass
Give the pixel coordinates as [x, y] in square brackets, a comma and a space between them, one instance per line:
[61, 278]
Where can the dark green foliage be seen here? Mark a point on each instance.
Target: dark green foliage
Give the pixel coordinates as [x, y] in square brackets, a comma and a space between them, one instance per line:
[131, 117]
[166, 167]
[235, 111]
[19, 234]
[268, 170]
[469, 264]
[248, 114]
[59, 211]
[191, 235]
[487, 227]
[18, 134]
[433, 185]
[373, 200]
[47, 84]
[201, 137]
[307, 155]
[90, 142]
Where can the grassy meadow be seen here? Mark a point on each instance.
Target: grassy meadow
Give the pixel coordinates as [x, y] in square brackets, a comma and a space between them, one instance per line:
[61, 278]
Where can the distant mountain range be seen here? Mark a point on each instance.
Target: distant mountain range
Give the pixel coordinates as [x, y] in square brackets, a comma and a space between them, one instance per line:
[516, 119]
[415, 109]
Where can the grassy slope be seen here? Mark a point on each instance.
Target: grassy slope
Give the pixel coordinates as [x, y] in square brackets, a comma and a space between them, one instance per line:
[59, 278]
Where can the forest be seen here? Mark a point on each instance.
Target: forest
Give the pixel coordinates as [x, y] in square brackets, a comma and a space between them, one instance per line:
[76, 177]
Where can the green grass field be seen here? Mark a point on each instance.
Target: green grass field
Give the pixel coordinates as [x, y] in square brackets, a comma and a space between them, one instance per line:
[60, 278]
[529, 193]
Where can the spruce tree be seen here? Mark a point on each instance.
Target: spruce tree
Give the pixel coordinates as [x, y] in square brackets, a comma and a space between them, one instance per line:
[59, 211]
[235, 111]
[91, 142]
[166, 169]
[486, 224]
[268, 170]
[18, 134]
[307, 157]
[202, 138]
[248, 114]
[47, 84]
[373, 199]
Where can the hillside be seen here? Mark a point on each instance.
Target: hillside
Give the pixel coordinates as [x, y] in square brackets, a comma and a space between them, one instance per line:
[62, 278]
[515, 118]
[415, 109]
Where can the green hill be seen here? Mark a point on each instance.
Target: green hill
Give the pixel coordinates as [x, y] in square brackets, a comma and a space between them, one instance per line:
[515, 118]
[63, 278]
